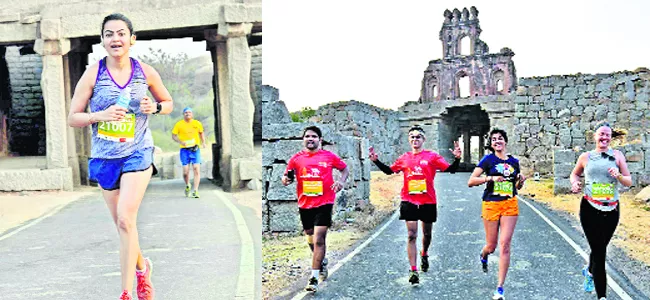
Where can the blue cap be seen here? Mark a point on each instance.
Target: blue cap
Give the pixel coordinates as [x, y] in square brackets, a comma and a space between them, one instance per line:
[187, 109]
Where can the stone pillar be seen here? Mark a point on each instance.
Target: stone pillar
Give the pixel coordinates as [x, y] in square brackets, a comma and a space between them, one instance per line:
[467, 151]
[481, 150]
[236, 104]
[212, 40]
[74, 65]
[53, 87]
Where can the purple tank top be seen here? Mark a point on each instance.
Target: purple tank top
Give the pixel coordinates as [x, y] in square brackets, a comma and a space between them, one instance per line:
[105, 94]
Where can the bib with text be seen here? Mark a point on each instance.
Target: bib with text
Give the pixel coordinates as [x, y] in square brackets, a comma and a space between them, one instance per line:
[117, 131]
[417, 186]
[312, 188]
[503, 188]
[602, 191]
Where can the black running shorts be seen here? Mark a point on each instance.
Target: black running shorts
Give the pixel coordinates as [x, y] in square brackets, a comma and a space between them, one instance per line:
[427, 213]
[317, 216]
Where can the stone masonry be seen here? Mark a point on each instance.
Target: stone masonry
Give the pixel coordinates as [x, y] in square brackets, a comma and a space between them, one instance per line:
[282, 140]
[485, 71]
[27, 115]
[256, 89]
[549, 120]
[556, 117]
[62, 32]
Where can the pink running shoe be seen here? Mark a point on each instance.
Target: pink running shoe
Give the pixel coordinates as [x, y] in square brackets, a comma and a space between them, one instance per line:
[145, 287]
[126, 295]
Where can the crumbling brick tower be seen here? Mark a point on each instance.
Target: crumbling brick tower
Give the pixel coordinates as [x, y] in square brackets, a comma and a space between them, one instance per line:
[489, 74]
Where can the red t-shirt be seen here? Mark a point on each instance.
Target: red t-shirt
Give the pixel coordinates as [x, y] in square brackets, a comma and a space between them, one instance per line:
[314, 176]
[419, 171]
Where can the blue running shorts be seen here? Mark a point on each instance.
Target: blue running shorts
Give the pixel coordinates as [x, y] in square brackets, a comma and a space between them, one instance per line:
[107, 172]
[190, 157]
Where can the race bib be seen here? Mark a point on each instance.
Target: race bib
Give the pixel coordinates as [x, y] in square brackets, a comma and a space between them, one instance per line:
[117, 131]
[417, 186]
[190, 143]
[602, 191]
[503, 188]
[312, 188]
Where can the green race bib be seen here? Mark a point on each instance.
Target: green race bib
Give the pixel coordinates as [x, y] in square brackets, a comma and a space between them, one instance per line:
[503, 188]
[602, 191]
[117, 131]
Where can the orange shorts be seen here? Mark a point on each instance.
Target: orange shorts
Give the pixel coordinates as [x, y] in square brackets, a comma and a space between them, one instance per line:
[494, 210]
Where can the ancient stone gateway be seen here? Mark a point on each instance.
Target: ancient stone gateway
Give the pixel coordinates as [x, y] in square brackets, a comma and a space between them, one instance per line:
[62, 32]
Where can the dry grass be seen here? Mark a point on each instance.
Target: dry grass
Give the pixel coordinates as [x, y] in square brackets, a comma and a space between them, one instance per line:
[286, 258]
[632, 232]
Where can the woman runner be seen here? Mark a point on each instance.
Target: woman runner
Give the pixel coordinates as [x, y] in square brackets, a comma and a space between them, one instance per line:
[500, 209]
[122, 147]
[604, 168]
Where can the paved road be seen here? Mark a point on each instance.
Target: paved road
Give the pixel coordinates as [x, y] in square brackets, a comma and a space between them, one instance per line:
[543, 265]
[194, 243]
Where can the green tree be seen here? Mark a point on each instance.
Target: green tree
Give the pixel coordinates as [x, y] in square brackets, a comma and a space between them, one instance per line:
[303, 115]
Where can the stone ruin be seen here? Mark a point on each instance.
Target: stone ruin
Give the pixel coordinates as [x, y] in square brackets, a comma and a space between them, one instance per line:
[549, 120]
[44, 47]
[489, 74]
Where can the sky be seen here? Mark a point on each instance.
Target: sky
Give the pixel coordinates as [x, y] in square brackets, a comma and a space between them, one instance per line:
[376, 51]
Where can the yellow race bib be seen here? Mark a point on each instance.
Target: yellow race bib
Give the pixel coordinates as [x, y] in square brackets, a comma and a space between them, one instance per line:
[117, 131]
[417, 186]
[602, 191]
[312, 188]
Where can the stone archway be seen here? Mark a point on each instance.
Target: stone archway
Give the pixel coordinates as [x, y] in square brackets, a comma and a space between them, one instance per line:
[62, 38]
[469, 123]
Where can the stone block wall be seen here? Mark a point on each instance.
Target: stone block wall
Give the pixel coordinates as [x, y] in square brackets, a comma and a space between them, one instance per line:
[281, 139]
[26, 128]
[637, 156]
[381, 127]
[557, 113]
[256, 89]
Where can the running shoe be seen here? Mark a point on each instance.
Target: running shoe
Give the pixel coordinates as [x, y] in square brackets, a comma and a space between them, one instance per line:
[312, 285]
[195, 194]
[126, 295]
[424, 263]
[323, 270]
[145, 287]
[187, 191]
[588, 284]
[414, 278]
[498, 294]
[484, 262]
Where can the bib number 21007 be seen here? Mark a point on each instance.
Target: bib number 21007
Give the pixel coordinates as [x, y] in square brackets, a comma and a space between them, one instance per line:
[117, 131]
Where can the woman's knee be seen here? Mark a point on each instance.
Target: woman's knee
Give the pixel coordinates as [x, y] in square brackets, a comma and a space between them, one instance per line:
[505, 248]
[125, 223]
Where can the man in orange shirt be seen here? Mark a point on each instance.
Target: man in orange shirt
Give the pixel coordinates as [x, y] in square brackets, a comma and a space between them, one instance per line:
[187, 133]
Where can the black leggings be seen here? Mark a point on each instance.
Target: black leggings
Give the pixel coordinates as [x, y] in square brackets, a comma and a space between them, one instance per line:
[599, 226]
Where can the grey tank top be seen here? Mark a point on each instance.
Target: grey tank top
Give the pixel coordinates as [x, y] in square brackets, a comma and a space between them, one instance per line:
[597, 178]
[105, 94]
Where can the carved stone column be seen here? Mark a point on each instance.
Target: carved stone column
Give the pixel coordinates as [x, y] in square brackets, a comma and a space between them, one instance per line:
[52, 48]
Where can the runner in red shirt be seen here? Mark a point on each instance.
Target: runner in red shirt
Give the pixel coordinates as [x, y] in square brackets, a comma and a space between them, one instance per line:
[316, 194]
[418, 194]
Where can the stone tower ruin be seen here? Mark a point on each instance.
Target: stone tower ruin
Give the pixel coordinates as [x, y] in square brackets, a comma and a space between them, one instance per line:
[489, 74]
